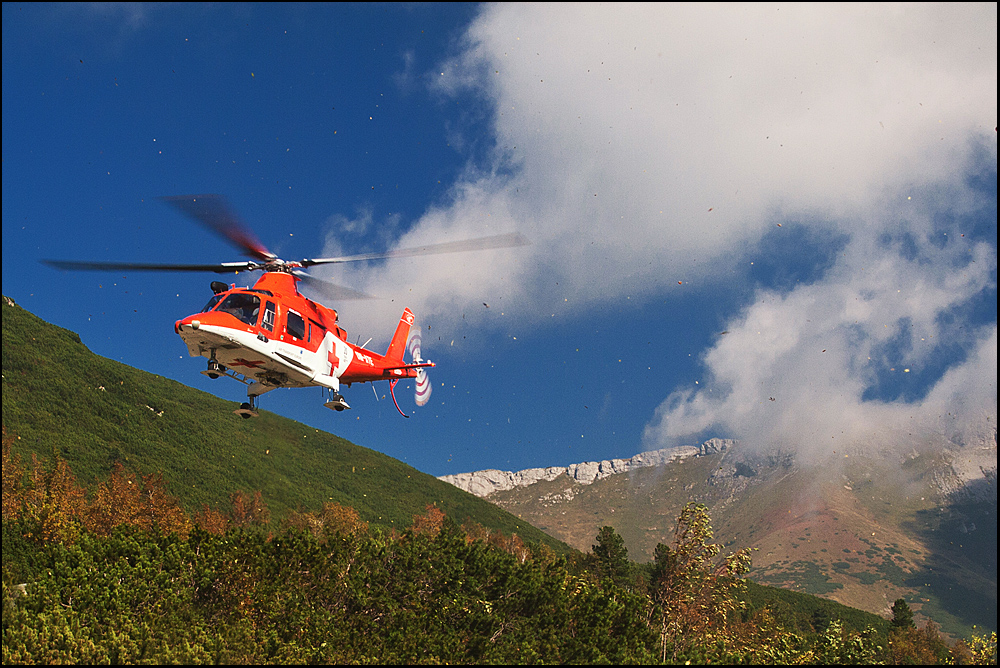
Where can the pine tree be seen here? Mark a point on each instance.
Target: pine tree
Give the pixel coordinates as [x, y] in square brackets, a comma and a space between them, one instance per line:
[902, 616]
[612, 556]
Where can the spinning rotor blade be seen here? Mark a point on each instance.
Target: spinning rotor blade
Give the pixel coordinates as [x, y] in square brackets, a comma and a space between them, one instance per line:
[480, 243]
[223, 268]
[328, 289]
[214, 213]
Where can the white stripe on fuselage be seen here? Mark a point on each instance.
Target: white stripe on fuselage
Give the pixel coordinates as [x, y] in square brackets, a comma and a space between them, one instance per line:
[234, 348]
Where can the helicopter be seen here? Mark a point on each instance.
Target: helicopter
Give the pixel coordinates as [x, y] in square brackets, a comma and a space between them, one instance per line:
[270, 335]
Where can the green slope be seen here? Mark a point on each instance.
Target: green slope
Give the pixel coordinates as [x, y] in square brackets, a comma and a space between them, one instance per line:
[60, 398]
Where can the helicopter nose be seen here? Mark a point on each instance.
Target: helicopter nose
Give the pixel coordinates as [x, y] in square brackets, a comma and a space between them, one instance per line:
[179, 325]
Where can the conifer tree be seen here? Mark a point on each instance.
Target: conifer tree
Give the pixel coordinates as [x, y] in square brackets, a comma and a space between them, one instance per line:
[612, 556]
[902, 616]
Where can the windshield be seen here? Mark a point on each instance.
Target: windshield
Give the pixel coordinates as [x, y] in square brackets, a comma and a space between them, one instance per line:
[211, 303]
[243, 306]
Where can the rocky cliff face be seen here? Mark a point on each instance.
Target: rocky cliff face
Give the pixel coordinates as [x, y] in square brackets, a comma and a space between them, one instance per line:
[484, 483]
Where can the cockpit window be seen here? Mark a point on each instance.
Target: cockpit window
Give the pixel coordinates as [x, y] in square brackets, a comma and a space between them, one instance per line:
[211, 303]
[243, 306]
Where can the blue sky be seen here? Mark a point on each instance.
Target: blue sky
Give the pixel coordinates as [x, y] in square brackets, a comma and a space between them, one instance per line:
[775, 223]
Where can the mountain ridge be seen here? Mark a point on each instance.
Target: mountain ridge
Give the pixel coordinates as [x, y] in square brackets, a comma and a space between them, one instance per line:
[486, 482]
[864, 528]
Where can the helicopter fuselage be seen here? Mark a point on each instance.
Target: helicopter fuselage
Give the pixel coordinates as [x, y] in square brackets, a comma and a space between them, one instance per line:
[271, 336]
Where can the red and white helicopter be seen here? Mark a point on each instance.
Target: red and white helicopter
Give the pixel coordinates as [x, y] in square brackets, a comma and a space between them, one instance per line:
[269, 335]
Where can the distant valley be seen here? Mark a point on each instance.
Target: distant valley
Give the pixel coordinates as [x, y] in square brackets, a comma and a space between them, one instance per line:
[863, 530]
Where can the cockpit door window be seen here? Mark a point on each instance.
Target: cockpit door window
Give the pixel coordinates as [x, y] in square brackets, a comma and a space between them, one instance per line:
[269, 316]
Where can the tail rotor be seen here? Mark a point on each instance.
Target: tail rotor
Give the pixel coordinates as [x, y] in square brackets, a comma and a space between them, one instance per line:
[423, 390]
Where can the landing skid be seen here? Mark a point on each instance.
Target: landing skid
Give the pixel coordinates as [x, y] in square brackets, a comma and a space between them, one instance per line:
[229, 373]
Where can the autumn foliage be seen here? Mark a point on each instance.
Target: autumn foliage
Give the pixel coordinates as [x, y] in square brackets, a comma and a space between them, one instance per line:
[331, 521]
[52, 506]
[123, 575]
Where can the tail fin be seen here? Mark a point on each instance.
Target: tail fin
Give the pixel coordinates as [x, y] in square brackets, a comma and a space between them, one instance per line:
[398, 344]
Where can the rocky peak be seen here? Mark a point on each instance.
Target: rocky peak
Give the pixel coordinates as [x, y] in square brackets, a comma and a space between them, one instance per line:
[484, 483]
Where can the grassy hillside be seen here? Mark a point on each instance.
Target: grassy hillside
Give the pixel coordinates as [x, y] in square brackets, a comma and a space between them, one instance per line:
[61, 399]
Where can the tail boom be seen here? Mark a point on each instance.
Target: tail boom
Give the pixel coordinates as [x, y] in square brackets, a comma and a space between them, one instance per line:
[397, 346]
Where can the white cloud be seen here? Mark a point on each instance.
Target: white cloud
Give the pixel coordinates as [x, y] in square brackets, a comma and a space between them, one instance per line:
[793, 369]
[640, 145]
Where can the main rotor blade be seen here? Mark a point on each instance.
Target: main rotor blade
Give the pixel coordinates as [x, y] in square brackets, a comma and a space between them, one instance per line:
[480, 243]
[215, 213]
[223, 268]
[330, 290]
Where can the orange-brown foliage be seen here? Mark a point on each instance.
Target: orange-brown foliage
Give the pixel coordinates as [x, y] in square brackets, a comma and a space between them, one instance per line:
[211, 520]
[334, 519]
[248, 509]
[513, 545]
[117, 501]
[138, 501]
[430, 523]
[475, 531]
[54, 502]
[162, 508]
[923, 646]
[55, 507]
